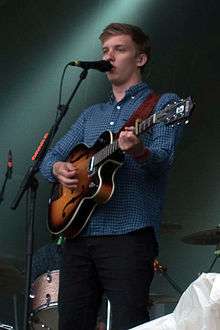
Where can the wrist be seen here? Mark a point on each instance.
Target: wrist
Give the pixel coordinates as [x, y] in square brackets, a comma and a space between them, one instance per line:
[54, 168]
[142, 155]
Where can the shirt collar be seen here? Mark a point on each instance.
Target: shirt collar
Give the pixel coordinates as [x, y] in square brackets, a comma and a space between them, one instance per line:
[132, 91]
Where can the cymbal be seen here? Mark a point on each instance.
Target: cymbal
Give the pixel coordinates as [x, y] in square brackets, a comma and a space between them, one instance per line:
[157, 298]
[169, 227]
[206, 237]
[11, 279]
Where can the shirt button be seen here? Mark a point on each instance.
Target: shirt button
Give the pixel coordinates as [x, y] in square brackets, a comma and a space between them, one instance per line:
[118, 107]
[111, 123]
[132, 97]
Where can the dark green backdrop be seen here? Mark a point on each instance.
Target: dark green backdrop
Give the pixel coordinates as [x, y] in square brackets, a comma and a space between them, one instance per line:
[39, 37]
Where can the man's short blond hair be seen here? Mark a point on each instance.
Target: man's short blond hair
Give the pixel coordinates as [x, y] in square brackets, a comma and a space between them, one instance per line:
[140, 39]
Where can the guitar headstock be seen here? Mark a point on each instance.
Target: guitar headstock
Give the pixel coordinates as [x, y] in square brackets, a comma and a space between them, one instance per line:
[177, 112]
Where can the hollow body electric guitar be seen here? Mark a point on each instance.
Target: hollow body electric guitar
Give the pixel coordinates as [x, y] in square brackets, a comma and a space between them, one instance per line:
[70, 209]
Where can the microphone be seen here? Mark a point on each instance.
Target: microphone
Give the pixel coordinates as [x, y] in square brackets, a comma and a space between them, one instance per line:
[102, 65]
[9, 164]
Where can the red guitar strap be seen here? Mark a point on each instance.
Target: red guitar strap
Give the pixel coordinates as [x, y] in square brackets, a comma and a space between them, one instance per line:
[143, 111]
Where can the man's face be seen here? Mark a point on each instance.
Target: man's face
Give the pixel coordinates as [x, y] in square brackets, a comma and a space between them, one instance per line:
[121, 52]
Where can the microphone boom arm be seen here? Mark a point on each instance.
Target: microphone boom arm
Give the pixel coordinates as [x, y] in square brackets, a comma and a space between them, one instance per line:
[33, 169]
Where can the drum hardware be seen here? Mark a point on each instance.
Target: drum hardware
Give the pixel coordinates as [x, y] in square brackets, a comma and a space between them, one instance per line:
[45, 286]
[157, 298]
[44, 294]
[206, 237]
[5, 326]
[163, 270]
[48, 299]
[217, 255]
[49, 278]
[36, 321]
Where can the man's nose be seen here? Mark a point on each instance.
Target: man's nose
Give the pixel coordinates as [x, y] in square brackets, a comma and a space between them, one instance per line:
[109, 56]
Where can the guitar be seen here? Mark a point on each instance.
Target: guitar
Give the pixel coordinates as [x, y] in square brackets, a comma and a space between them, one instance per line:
[71, 209]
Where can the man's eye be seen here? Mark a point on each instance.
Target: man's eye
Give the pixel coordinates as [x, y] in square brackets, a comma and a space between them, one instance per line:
[121, 50]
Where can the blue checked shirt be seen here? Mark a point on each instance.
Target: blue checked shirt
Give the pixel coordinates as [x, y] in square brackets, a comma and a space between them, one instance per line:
[139, 184]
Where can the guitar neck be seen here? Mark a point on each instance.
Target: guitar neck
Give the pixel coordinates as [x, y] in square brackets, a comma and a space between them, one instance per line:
[174, 113]
[111, 148]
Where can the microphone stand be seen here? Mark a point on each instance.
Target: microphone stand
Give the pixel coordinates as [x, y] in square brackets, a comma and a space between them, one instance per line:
[29, 184]
[7, 177]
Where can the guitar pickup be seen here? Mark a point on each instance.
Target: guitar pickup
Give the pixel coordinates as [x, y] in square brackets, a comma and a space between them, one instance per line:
[91, 165]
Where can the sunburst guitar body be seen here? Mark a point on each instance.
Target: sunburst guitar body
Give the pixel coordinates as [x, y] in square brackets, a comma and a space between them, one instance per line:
[70, 209]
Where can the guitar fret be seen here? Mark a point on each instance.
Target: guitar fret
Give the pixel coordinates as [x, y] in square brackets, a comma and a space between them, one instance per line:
[105, 152]
[146, 124]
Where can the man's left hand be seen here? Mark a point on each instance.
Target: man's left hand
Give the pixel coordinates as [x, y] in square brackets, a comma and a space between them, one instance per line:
[130, 143]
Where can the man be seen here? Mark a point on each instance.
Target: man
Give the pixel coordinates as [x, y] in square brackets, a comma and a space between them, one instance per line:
[115, 251]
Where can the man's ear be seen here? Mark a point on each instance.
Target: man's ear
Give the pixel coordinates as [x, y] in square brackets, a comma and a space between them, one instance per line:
[141, 59]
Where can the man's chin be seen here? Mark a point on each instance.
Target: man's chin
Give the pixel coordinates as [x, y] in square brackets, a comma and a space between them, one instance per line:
[114, 80]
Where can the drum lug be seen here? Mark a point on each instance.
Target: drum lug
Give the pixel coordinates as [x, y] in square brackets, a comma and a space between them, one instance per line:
[49, 277]
[48, 299]
[44, 293]
[32, 295]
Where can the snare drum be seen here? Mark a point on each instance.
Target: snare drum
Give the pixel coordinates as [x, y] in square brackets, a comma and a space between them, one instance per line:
[45, 301]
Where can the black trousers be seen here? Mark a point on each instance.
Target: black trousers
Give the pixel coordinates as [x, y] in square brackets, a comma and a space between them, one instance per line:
[120, 266]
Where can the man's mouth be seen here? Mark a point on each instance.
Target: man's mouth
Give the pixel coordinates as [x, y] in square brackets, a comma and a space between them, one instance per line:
[112, 69]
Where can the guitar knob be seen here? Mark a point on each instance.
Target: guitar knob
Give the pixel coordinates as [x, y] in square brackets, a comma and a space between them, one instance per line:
[92, 185]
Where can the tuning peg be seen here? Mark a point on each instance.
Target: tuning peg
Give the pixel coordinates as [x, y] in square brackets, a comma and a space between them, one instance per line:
[186, 121]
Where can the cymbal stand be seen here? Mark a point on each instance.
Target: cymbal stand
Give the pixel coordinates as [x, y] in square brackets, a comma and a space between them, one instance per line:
[163, 270]
[15, 305]
[217, 255]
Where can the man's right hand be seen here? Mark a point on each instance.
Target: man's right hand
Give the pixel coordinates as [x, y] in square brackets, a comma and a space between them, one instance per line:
[66, 174]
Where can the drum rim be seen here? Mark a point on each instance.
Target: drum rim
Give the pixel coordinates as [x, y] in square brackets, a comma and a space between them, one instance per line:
[49, 271]
[44, 306]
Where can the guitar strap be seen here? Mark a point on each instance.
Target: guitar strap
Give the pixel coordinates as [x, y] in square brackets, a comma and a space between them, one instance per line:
[143, 111]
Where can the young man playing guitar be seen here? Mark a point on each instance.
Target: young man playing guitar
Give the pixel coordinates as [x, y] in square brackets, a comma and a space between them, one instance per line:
[114, 252]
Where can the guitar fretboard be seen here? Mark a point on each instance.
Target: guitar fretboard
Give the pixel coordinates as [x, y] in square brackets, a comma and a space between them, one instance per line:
[108, 150]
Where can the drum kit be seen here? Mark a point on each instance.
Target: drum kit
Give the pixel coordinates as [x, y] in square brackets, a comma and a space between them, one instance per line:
[44, 291]
[45, 301]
